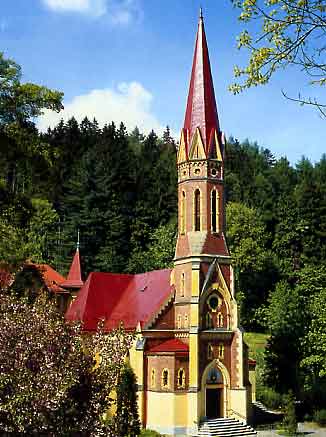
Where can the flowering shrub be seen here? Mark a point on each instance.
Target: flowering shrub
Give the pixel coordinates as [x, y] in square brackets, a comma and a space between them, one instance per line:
[49, 383]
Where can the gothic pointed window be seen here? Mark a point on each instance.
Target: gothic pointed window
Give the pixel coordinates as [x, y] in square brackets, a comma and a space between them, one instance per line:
[165, 378]
[197, 210]
[153, 378]
[182, 285]
[220, 320]
[221, 350]
[181, 380]
[215, 211]
[183, 213]
[209, 351]
[209, 321]
[179, 321]
[186, 321]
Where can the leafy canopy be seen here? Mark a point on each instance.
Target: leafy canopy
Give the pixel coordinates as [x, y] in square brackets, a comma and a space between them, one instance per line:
[289, 33]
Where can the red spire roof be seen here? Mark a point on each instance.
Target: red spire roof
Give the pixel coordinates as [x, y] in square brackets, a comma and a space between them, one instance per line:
[201, 105]
[74, 279]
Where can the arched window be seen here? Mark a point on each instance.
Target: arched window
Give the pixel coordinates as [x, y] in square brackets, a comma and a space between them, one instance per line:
[179, 321]
[186, 321]
[209, 321]
[215, 225]
[214, 377]
[182, 285]
[220, 320]
[181, 380]
[197, 210]
[221, 350]
[209, 351]
[183, 213]
[153, 378]
[165, 378]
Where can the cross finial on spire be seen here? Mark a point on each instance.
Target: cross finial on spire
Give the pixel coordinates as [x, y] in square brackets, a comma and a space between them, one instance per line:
[201, 13]
[78, 239]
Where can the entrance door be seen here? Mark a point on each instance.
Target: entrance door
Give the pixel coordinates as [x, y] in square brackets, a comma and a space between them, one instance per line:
[213, 402]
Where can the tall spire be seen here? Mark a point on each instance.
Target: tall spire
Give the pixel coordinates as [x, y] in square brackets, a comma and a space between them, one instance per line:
[201, 109]
[74, 279]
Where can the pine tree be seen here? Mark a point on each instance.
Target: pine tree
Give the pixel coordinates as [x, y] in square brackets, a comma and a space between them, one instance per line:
[127, 418]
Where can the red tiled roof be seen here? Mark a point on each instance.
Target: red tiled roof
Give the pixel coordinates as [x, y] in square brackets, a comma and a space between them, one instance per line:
[201, 109]
[74, 279]
[51, 277]
[173, 345]
[120, 298]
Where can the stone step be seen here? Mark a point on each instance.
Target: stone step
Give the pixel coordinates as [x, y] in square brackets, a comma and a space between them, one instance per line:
[225, 427]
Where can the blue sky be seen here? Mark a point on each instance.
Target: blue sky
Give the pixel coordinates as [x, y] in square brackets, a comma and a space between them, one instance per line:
[130, 60]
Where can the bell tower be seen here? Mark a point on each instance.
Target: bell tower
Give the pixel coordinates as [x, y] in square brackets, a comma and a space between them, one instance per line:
[205, 309]
[200, 164]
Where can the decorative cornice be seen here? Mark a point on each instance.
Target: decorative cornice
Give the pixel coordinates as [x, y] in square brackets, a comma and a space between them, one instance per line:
[222, 259]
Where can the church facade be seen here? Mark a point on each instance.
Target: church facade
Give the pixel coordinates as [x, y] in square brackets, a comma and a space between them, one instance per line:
[189, 356]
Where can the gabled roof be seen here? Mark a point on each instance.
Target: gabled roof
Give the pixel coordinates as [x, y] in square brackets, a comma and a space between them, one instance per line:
[201, 109]
[130, 299]
[74, 279]
[51, 277]
[173, 345]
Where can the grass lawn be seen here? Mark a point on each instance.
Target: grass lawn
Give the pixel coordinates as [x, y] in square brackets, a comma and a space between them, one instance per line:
[256, 342]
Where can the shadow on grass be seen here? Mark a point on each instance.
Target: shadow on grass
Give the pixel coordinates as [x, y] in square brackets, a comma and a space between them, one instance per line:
[284, 433]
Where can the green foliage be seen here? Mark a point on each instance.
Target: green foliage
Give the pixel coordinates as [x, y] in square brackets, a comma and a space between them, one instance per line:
[39, 232]
[320, 417]
[314, 342]
[256, 342]
[22, 147]
[285, 33]
[247, 238]
[12, 251]
[149, 433]
[289, 423]
[269, 397]
[31, 239]
[295, 315]
[127, 419]
[160, 250]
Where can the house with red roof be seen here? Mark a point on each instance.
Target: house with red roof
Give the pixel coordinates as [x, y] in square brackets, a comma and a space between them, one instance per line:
[189, 356]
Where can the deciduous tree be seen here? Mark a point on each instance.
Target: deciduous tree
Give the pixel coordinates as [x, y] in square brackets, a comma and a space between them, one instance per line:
[283, 33]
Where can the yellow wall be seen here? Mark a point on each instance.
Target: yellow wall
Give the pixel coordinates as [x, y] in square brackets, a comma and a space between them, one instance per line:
[252, 380]
[238, 404]
[166, 409]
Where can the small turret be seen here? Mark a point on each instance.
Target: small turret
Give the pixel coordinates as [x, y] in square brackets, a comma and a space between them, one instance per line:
[74, 280]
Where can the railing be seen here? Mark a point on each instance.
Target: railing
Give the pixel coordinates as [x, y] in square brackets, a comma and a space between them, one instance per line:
[237, 414]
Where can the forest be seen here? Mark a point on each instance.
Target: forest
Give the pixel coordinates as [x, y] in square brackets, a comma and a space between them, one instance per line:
[119, 190]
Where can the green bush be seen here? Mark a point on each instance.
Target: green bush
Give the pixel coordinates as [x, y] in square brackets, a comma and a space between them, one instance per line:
[269, 397]
[289, 423]
[320, 417]
[150, 433]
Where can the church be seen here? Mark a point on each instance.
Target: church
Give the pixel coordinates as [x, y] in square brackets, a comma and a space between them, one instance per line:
[189, 357]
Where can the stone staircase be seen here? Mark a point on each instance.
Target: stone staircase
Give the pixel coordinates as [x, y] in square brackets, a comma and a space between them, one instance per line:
[262, 415]
[260, 406]
[225, 427]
